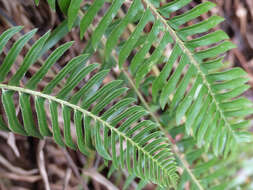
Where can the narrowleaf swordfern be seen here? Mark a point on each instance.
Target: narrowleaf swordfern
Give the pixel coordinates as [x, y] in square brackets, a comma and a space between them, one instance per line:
[190, 84]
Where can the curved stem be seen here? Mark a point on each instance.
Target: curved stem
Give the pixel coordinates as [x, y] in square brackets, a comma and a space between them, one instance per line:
[85, 112]
[191, 59]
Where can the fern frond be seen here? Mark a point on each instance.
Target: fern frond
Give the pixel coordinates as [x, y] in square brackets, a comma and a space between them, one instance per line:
[211, 171]
[98, 124]
[203, 104]
[193, 81]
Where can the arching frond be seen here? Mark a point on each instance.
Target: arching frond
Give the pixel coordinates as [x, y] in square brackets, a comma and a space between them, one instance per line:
[192, 82]
[103, 119]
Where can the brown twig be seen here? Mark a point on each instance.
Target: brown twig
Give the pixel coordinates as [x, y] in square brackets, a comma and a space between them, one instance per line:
[66, 179]
[74, 168]
[244, 64]
[41, 164]
[15, 169]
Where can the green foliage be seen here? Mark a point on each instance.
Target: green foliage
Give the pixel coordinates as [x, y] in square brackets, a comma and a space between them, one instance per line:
[191, 86]
[199, 89]
[211, 171]
[73, 12]
[143, 150]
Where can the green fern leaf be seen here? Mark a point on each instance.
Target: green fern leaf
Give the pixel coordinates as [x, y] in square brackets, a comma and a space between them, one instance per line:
[73, 9]
[142, 148]
[64, 5]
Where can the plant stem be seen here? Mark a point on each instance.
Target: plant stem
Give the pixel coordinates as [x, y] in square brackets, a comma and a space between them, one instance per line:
[175, 149]
[191, 59]
[51, 98]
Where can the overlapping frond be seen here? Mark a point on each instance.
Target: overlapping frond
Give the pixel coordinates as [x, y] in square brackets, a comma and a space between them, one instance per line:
[212, 172]
[199, 88]
[215, 174]
[103, 120]
[192, 82]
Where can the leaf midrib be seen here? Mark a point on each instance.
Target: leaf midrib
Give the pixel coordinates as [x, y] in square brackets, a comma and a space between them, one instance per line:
[85, 112]
[192, 60]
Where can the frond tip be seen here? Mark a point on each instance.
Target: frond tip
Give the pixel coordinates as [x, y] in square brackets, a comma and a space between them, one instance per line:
[117, 132]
